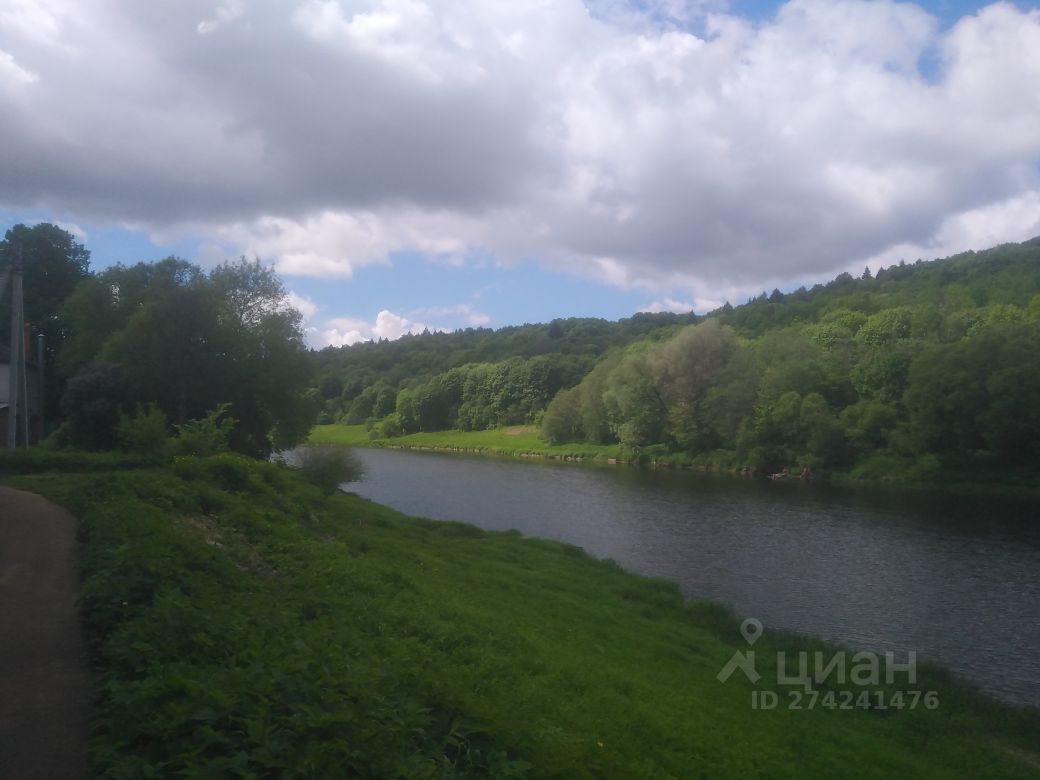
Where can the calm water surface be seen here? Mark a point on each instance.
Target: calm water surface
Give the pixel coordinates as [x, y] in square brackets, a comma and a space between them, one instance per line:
[956, 579]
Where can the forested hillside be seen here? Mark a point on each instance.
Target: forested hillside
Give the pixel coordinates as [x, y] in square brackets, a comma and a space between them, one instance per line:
[472, 379]
[922, 369]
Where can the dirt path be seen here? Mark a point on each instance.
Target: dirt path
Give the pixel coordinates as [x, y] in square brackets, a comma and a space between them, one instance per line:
[44, 684]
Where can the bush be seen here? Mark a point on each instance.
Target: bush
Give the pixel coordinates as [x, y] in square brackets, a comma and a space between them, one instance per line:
[329, 465]
[145, 433]
[229, 470]
[880, 467]
[387, 428]
[925, 468]
[92, 404]
[207, 436]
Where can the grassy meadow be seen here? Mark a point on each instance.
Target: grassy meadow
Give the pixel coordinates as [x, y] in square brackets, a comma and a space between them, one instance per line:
[512, 441]
[244, 623]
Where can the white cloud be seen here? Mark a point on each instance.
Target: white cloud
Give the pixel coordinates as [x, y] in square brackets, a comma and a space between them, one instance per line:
[698, 305]
[1015, 219]
[332, 244]
[12, 73]
[75, 230]
[327, 136]
[344, 331]
[327, 244]
[405, 34]
[304, 305]
[34, 20]
[227, 12]
[668, 304]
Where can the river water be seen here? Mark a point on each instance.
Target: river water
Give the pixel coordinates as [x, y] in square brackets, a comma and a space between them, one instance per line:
[954, 578]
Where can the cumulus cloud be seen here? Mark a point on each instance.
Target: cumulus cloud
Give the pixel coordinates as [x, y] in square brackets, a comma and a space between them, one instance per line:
[13, 74]
[335, 244]
[1015, 219]
[668, 304]
[659, 145]
[304, 305]
[698, 305]
[75, 230]
[344, 331]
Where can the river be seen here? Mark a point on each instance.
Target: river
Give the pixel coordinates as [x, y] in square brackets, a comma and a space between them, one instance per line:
[954, 578]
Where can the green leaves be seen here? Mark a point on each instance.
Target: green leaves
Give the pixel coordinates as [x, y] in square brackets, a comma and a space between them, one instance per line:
[187, 342]
[922, 364]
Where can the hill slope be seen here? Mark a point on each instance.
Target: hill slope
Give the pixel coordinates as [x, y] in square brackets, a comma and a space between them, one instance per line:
[243, 624]
[923, 371]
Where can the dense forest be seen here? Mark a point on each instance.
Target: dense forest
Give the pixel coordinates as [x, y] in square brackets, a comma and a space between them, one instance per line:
[921, 369]
[505, 376]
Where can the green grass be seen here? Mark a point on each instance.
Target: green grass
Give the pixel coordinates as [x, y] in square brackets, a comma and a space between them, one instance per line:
[516, 441]
[524, 441]
[28, 461]
[245, 624]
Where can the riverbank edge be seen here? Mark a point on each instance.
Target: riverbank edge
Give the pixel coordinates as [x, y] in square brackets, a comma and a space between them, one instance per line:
[652, 598]
[230, 476]
[715, 464]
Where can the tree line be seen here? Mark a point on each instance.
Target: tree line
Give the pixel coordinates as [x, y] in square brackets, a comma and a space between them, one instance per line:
[920, 369]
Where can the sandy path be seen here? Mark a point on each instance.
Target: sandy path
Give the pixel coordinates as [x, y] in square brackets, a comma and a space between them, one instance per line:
[44, 683]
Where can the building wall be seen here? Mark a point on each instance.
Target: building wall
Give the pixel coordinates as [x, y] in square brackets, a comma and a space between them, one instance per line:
[34, 403]
[34, 386]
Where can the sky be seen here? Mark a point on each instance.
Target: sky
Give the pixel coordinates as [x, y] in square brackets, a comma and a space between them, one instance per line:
[442, 164]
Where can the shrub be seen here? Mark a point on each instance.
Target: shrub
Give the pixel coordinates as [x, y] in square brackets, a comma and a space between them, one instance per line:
[92, 404]
[880, 467]
[329, 465]
[207, 436]
[145, 433]
[229, 470]
[390, 426]
[925, 468]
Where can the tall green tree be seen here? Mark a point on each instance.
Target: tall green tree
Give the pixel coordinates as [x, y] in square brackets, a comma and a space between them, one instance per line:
[53, 263]
[686, 368]
[188, 342]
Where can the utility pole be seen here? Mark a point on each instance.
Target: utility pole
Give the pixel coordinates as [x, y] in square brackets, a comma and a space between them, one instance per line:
[39, 378]
[16, 370]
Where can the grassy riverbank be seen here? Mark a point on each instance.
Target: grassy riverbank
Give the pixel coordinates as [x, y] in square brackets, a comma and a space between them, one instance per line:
[243, 624]
[524, 441]
[514, 441]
